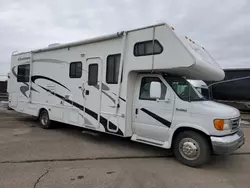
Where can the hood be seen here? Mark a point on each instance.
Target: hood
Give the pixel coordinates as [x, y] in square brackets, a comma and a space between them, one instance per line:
[215, 109]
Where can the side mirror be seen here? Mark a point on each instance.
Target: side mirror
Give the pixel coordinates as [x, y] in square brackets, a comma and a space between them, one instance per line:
[155, 90]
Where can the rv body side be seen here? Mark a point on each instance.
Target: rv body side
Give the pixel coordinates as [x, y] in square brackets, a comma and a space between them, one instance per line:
[64, 97]
[106, 106]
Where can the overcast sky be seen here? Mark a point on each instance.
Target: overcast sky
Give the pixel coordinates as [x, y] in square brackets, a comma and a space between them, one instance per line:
[221, 26]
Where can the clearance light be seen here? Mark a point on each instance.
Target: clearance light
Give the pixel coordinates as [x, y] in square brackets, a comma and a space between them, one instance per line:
[186, 37]
[172, 28]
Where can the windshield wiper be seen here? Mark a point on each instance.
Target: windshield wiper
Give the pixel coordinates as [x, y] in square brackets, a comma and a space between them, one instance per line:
[200, 99]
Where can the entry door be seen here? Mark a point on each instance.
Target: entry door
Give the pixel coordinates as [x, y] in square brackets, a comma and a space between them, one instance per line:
[151, 118]
[92, 92]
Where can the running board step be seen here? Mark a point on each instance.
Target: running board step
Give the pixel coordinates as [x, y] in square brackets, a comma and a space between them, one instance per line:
[150, 141]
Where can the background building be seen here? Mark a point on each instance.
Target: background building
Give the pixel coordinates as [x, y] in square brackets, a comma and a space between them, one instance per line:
[234, 89]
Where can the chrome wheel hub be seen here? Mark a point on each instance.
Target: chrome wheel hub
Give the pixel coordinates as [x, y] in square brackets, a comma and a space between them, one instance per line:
[189, 149]
[44, 119]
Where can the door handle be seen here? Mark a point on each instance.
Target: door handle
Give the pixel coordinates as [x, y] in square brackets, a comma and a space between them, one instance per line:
[83, 92]
[136, 111]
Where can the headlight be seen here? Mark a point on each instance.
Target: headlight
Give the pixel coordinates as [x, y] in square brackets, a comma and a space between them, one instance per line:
[222, 124]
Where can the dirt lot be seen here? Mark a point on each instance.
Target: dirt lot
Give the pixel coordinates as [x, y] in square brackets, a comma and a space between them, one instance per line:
[66, 157]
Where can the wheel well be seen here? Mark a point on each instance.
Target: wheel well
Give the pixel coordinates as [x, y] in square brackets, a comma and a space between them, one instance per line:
[182, 129]
[41, 111]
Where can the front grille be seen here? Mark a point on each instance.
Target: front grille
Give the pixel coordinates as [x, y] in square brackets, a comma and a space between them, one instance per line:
[235, 123]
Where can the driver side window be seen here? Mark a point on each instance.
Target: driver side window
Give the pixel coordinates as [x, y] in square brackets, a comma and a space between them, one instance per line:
[145, 88]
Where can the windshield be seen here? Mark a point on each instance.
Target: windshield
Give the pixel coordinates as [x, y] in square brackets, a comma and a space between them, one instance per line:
[184, 89]
[203, 91]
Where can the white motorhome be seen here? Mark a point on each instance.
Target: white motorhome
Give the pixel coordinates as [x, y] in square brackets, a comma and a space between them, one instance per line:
[130, 84]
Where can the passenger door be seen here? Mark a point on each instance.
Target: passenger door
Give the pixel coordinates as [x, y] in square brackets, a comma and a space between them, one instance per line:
[92, 92]
[151, 117]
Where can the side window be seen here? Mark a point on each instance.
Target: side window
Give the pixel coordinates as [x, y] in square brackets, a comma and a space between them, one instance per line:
[23, 73]
[145, 88]
[75, 69]
[151, 47]
[112, 71]
[93, 74]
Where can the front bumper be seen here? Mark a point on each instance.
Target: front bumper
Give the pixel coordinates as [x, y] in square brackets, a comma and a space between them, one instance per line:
[227, 144]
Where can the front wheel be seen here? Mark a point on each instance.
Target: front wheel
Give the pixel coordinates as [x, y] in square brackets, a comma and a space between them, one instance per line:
[44, 119]
[192, 149]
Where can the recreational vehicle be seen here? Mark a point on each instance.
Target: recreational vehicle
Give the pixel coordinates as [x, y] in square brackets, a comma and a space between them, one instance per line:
[129, 84]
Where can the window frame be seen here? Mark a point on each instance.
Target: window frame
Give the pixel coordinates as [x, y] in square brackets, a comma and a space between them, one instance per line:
[90, 83]
[18, 74]
[146, 77]
[147, 54]
[112, 55]
[70, 68]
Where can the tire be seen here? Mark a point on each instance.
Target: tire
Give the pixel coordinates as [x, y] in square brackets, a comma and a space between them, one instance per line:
[44, 119]
[192, 148]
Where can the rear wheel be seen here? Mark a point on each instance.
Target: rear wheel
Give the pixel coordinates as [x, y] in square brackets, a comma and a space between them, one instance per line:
[192, 148]
[44, 119]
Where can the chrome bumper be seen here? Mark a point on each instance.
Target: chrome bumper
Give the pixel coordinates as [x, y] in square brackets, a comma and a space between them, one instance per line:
[227, 144]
